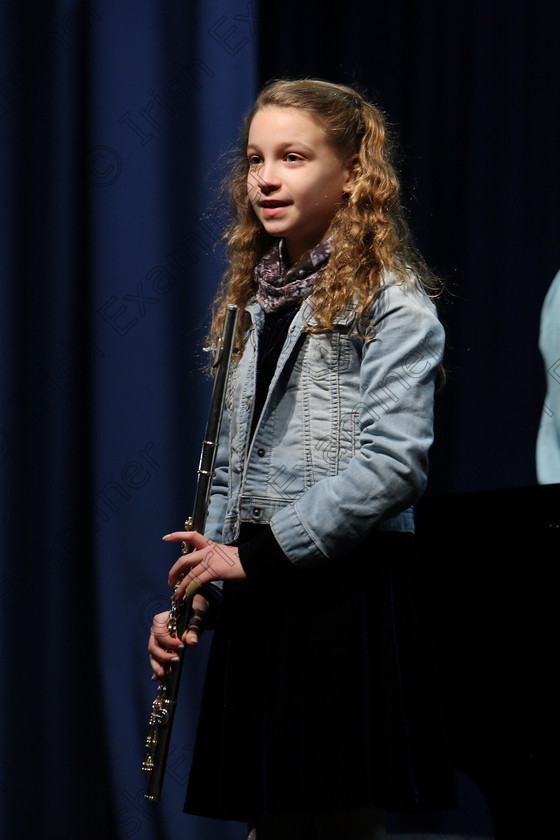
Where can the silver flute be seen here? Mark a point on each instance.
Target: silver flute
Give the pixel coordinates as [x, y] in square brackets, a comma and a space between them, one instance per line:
[163, 708]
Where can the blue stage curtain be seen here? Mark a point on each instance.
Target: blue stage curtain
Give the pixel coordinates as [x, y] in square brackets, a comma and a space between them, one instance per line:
[113, 117]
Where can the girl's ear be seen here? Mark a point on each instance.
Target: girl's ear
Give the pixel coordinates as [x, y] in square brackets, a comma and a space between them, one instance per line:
[352, 170]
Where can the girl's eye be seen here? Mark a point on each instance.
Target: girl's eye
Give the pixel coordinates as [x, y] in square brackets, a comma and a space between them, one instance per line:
[255, 160]
[291, 157]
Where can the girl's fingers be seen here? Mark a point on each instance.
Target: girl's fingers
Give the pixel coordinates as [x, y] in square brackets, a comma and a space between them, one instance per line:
[163, 659]
[202, 566]
[196, 622]
[161, 645]
[165, 649]
[159, 629]
[158, 668]
[192, 537]
[191, 583]
[198, 580]
[198, 542]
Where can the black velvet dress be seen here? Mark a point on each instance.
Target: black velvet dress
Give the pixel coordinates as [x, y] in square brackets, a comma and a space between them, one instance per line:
[320, 691]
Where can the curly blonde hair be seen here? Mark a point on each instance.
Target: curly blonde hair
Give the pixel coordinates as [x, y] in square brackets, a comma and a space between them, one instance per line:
[369, 231]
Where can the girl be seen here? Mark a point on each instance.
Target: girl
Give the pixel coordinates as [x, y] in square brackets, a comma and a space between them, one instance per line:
[320, 710]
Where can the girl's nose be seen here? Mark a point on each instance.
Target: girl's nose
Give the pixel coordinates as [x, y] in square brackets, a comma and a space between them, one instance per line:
[267, 179]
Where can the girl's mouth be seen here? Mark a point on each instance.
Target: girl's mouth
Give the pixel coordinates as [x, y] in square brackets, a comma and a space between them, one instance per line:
[272, 208]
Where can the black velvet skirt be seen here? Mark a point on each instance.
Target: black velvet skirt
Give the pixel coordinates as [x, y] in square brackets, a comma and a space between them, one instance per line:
[322, 695]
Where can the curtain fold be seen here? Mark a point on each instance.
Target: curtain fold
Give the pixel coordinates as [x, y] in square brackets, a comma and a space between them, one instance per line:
[113, 117]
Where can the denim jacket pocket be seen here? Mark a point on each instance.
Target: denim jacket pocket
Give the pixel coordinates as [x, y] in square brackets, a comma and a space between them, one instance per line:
[329, 427]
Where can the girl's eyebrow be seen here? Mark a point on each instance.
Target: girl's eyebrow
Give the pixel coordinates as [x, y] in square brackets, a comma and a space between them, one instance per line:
[287, 144]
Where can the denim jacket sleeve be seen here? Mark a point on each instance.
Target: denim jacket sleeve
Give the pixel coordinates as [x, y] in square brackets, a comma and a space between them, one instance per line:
[389, 469]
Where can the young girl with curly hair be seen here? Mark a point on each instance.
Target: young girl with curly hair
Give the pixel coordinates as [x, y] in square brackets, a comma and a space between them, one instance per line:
[320, 708]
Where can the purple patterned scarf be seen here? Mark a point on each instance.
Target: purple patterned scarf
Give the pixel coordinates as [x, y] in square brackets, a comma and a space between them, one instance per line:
[278, 287]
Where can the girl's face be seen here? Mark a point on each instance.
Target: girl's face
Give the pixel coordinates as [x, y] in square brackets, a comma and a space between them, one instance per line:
[295, 179]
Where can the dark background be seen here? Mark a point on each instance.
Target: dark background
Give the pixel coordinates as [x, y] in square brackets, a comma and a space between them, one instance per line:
[114, 120]
[472, 89]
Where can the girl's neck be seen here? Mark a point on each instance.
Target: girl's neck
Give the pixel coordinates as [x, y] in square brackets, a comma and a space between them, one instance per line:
[293, 254]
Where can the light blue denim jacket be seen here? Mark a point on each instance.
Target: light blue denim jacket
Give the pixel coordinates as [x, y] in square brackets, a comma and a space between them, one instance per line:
[341, 447]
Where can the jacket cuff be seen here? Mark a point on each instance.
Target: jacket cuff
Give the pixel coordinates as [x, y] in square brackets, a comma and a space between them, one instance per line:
[263, 560]
[290, 532]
